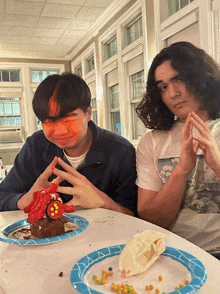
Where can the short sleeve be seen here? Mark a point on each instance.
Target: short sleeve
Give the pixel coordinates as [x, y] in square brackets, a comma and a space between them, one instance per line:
[147, 172]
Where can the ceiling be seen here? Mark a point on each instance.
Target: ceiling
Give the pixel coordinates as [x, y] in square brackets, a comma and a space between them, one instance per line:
[46, 29]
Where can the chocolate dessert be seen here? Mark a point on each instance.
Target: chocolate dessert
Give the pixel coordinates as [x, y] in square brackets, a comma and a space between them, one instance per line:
[45, 213]
[44, 227]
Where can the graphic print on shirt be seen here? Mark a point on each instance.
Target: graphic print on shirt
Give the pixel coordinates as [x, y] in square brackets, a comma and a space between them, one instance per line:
[202, 193]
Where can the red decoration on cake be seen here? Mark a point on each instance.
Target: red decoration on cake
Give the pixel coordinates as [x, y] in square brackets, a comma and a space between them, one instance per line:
[45, 212]
[37, 208]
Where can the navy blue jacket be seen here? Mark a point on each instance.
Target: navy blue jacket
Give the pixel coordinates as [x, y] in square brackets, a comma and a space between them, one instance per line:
[110, 165]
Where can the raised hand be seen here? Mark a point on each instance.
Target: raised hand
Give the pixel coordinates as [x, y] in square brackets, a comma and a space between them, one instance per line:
[84, 193]
[187, 160]
[207, 143]
[40, 184]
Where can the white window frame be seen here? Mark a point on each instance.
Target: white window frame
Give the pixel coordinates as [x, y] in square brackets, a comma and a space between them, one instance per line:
[13, 94]
[112, 110]
[76, 67]
[196, 11]
[137, 18]
[90, 76]
[216, 30]
[11, 69]
[105, 46]
[124, 53]
[132, 102]
[13, 88]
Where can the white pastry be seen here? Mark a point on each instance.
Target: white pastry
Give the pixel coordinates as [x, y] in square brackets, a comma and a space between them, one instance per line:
[141, 252]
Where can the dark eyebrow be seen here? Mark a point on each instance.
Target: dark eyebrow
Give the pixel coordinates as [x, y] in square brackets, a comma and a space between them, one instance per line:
[158, 82]
[173, 78]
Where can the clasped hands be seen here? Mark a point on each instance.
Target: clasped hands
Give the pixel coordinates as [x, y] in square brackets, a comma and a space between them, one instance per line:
[191, 143]
[84, 193]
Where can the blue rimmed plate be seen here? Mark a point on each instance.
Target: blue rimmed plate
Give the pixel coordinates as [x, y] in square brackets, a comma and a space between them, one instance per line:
[6, 232]
[180, 265]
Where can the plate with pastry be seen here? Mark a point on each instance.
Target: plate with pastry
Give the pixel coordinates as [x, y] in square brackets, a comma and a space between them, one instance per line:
[49, 220]
[145, 263]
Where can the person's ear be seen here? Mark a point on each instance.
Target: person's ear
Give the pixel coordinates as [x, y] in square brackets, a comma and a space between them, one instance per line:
[89, 112]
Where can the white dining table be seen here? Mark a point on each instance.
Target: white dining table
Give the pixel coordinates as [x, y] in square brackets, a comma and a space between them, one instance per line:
[28, 269]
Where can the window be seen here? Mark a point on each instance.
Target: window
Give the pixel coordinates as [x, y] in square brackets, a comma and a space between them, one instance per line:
[90, 64]
[110, 48]
[94, 110]
[9, 75]
[175, 5]
[137, 89]
[10, 114]
[92, 87]
[78, 70]
[134, 30]
[39, 75]
[115, 109]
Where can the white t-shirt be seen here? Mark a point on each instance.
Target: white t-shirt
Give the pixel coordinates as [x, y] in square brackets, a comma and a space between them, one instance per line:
[75, 161]
[157, 155]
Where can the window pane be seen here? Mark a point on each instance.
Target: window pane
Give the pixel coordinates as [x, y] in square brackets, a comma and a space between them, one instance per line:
[39, 75]
[116, 122]
[95, 116]
[2, 121]
[93, 103]
[10, 111]
[90, 64]
[137, 84]
[114, 99]
[110, 48]
[78, 71]
[134, 31]
[1, 108]
[14, 75]
[184, 3]
[16, 108]
[8, 108]
[138, 127]
[5, 75]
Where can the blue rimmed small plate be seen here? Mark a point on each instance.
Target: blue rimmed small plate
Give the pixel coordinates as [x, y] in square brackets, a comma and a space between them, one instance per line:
[5, 233]
[81, 275]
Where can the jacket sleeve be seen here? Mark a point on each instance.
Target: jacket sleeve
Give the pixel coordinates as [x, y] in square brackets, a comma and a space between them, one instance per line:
[19, 180]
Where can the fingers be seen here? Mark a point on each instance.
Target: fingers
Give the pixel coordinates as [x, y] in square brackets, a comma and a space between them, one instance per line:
[187, 126]
[74, 202]
[204, 132]
[59, 179]
[199, 120]
[62, 175]
[195, 147]
[68, 168]
[66, 190]
[49, 170]
[201, 140]
[188, 142]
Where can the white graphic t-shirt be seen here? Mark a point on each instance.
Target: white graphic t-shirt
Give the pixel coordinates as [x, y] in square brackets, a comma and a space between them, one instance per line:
[157, 155]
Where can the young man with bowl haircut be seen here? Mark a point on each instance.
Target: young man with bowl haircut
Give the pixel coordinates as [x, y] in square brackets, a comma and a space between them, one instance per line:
[94, 167]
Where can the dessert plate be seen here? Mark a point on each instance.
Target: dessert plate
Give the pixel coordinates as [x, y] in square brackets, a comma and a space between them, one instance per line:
[5, 233]
[174, 265]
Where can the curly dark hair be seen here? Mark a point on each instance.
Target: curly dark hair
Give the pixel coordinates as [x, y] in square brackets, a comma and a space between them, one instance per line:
[199, 72]
[70, 92]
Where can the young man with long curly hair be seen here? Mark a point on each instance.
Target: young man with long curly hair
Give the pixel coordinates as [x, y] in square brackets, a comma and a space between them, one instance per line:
[178, 158]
